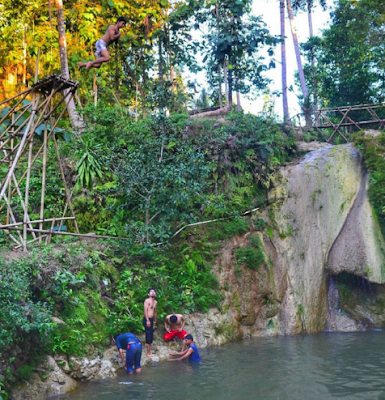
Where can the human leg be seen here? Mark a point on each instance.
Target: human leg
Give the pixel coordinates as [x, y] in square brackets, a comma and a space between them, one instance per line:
[104, 57]
[169, 335]
[130, 354]
[149, 335]
[137, 356]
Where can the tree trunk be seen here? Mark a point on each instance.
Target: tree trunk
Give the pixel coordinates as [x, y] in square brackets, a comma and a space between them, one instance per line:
[230, 84]
[283, 60]
[75, 118]
[310, 20]
[239, 107]
[161, 72]
[220, 86]
[95, 90]
[226, 82]
[25, 55]
[296, 48]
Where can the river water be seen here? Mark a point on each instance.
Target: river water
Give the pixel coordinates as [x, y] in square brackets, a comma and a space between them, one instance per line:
[323, 366]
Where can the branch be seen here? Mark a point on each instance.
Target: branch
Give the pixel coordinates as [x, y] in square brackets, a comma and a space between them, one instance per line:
[207, 222]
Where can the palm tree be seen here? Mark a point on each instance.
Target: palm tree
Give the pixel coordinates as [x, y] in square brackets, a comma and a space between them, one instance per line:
[309, 4]
[283, 60]
[296, 49]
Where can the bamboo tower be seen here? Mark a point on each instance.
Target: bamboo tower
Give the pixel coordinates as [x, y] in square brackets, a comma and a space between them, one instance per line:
[38, 109]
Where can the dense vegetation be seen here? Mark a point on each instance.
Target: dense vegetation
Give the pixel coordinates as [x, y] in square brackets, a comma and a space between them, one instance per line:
[141, 181]
[142, 170]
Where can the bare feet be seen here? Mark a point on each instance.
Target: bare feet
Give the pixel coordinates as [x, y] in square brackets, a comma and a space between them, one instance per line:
[89, 65]
[151, 355]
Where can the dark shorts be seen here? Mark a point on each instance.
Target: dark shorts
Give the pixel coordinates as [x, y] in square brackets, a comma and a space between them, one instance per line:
[133, 356]
[149, 330]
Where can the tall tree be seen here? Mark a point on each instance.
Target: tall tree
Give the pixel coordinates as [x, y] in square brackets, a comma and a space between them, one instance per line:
[290, 14]
[283, 62]
[309, 5]
[349, 55]
[75, 118]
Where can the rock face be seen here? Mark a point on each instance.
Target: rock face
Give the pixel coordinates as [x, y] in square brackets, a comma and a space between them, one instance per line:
[323, 226]
[52, 381]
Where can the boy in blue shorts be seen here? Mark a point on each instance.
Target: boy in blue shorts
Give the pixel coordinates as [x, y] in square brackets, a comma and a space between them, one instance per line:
[129, 342]
[192, 351]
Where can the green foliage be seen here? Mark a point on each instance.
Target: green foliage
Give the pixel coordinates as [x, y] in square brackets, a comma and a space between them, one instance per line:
[373, 149]
[22, 312]
[253, 256]
[349, 56]
[24, 372]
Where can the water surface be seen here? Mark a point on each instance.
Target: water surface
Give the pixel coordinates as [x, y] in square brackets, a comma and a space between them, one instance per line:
[324, 366]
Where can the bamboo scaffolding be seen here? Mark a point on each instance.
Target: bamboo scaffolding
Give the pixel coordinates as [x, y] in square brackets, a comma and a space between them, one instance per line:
[37, 154]
[16, 141]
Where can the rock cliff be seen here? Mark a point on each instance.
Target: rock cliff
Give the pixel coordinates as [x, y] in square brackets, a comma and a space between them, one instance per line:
[322, 225]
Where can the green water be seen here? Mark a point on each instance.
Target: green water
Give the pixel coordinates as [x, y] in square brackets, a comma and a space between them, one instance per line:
[323, 366]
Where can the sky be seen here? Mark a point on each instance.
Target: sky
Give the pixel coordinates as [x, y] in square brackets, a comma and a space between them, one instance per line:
[269, 9]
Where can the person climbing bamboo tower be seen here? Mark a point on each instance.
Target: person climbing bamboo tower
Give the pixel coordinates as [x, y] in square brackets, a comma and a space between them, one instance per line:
[112, 35]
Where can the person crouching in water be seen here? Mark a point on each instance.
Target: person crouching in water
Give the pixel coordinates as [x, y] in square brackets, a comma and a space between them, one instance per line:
[192, 352]
[129, 342]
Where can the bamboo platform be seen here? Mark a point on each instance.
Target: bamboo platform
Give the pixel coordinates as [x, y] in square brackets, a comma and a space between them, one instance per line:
[37, 109]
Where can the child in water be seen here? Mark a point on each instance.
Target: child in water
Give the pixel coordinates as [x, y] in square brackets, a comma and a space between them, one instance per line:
[191, 352]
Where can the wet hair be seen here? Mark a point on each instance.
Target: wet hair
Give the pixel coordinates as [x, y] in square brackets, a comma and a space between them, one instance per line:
[189, 337]
[173, 319]
[121, 19]
[149, 290]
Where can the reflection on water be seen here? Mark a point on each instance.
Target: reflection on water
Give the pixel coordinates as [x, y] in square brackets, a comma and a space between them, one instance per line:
[325, 366]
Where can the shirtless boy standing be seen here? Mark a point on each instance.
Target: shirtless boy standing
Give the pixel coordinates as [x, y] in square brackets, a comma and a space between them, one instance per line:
[149, 320]
[112, 35]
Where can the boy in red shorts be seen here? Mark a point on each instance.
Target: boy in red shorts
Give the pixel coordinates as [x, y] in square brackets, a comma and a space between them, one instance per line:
[174, 324]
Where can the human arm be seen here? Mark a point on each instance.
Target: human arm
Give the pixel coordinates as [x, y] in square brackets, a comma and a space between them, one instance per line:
[156, 303]
[122, 357]
[184, 356]
[114, 34]
[148, 323]
[183, 322]
[167, 324]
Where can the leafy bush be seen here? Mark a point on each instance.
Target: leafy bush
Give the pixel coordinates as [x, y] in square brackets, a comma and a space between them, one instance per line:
[373, 149]
[21, 311]
[253, 255]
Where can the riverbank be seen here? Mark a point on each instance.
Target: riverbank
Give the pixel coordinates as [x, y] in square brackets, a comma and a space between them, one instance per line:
[59, 374]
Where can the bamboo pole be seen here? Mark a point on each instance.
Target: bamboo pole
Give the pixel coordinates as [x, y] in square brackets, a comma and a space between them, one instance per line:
[65, 184]
[30, 241]
[35, 222]
[16, 95]
[49, 236]
[14, 239]
[87, 235]
[17, 188]
[12, 217]
[13, 108]
[10, 184]
[18, 154]
[43, 178]
[26, 198]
